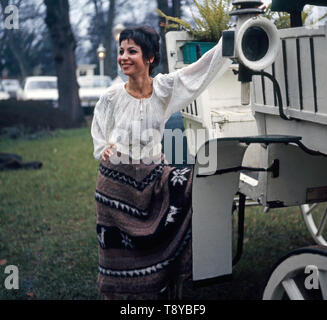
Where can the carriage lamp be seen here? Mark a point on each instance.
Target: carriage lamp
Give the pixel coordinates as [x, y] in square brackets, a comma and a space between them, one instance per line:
[253, 42]
[101, 55]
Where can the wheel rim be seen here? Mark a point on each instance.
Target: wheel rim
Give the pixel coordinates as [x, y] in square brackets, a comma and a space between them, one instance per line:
[289, 281]
[315, 222]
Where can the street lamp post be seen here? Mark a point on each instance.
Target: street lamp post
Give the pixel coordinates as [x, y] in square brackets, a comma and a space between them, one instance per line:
[101, 55]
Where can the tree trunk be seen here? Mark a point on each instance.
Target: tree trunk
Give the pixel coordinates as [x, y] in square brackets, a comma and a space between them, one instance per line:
[63, 46]
[99, 19]
[110, 66]
[176, 9]
[163, 6]
[14, 48]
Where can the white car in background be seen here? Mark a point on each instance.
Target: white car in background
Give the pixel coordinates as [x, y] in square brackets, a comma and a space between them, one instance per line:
[41, 88]
[12, 86]
[3, 94]
[91, 88]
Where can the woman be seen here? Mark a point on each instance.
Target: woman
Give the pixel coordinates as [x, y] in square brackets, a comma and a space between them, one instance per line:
[143, 205]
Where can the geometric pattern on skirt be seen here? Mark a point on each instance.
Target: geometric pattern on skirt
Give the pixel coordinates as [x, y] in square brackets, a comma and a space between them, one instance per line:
[120, 205]
[143, 226]
[110, 173]
[148, 270]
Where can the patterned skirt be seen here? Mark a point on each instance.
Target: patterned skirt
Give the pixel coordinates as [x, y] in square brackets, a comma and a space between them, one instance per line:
[143, 226]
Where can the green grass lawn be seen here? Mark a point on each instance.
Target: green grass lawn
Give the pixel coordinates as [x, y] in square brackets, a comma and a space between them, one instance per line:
[47, 218]
[47, 226]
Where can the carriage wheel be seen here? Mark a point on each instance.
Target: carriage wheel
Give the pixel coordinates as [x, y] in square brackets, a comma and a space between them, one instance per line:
[301, 275]
[316, 222]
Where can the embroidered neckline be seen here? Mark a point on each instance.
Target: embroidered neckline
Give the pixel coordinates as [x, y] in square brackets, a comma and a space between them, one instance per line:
[139, 99]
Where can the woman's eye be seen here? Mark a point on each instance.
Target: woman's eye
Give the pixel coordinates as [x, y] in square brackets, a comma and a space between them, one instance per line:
[121, 52]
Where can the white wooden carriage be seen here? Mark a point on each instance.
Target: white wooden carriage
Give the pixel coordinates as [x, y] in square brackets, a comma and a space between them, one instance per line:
[288, 155]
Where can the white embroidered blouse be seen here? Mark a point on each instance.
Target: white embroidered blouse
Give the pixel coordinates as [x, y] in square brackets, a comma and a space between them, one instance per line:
[136, 126]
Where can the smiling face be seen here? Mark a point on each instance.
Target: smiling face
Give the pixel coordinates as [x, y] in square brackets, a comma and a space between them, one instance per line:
[131, 60]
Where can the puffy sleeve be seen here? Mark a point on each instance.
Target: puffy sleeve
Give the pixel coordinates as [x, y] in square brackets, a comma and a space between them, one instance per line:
[99, 127]
[188, 83]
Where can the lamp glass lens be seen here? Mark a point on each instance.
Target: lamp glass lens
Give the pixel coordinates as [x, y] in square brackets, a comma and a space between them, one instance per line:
[255, 43]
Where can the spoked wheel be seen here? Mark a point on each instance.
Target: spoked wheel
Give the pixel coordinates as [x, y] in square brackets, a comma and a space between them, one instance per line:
[316, 221]
[301, 275]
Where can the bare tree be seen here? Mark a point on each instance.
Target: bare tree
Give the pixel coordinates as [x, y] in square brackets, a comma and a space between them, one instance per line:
[99, 14]
[64, 45]
[100, 31]
[25, 50]
[14, 45]
[109, 63]
[176, 8]
[163, 6]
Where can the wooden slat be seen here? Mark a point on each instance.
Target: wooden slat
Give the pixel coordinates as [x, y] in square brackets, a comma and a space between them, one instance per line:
[321, 71]
[292, 72]
[307, 79]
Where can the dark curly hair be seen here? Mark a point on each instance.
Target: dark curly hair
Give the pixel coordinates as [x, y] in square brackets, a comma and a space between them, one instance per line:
[147, 38]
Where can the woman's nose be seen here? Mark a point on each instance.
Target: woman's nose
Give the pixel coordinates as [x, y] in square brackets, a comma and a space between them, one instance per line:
[124, 56]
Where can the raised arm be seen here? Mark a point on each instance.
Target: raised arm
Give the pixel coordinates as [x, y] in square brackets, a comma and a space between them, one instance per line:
[189, 82]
